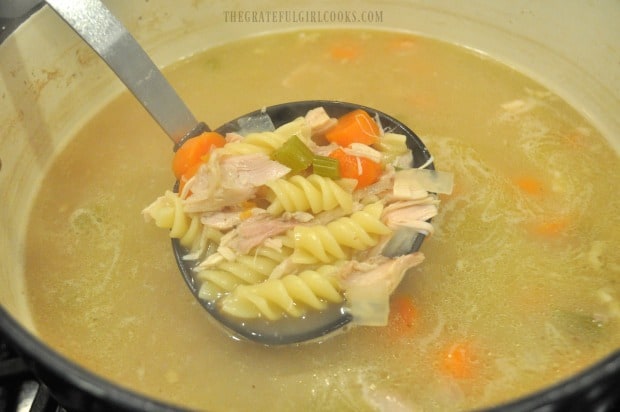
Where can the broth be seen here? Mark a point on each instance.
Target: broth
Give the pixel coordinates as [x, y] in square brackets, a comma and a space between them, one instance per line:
[519, 288]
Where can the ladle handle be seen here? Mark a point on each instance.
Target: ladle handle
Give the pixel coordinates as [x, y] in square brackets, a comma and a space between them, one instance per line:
[98, 27]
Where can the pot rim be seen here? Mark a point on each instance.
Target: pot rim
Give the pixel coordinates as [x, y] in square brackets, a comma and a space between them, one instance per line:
[42, 359]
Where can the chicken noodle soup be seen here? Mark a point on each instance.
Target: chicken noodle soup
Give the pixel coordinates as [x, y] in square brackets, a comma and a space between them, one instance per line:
[288, 220]
[519, 288]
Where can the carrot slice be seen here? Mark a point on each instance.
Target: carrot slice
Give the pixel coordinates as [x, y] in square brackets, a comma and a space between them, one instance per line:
[192, 151]
[529, 185]
[345, 51]
[354, 127]
[458, 361]
[552, 227]
[402, 314]
[364, 170]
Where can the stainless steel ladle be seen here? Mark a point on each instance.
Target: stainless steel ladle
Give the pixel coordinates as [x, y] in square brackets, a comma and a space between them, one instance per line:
[99, 28]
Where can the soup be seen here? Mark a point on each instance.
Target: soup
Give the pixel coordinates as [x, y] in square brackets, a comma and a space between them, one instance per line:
[518, 289]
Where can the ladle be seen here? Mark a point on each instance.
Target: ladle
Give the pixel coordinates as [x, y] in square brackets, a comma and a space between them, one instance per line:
[99, 28]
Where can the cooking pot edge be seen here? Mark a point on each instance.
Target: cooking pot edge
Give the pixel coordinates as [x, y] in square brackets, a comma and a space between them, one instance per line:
[71, 385]
[80, 389]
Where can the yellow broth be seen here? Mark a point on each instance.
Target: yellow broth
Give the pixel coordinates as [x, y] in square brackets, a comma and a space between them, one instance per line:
[522, 272]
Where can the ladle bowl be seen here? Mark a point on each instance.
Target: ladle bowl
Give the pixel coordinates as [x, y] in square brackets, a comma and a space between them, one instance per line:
[314, 326]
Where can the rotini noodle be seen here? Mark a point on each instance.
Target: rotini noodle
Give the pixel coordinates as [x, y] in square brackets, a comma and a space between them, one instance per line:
[298, 127]
[290, 296]
[247, 269]
[168, 213]
[328, 243]
[201, 244]
[267, 142]
[191, 235]
[263, 142]
[315, 193]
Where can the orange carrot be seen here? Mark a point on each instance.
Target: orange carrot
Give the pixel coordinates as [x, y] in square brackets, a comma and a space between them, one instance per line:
[529, 185]
[354, 127]
[552, 227]
[402, 314]
[458, 360]
[192, 151]
[345, 51]
[364, 170]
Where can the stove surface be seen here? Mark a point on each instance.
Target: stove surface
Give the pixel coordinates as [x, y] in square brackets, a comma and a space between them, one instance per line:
[20, 391]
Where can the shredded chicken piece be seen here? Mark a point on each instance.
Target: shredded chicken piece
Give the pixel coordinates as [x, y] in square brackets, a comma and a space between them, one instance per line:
[233, 137]
[362, 150]
[380, 188]
[379, 270]
[319, 121]
[230, 180]
[368, 286]
[221, 220]
[253, 231]
[284, 268]
[413, 216]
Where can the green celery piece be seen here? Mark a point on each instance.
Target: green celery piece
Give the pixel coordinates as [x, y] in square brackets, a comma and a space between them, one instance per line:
[293, 154]
[326, 167]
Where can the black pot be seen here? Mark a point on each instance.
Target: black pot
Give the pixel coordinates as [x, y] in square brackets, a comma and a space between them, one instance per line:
[76, 389]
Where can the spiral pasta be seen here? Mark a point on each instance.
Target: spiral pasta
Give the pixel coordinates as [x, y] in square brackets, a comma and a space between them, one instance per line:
[315, 193]
[248, 269]
[167, 212]
[267, 142]
[291, 295]
[263, 142]
[298, 127]
[334, 241]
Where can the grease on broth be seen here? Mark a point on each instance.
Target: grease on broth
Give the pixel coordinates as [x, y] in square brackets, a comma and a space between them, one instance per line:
[522, 272]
